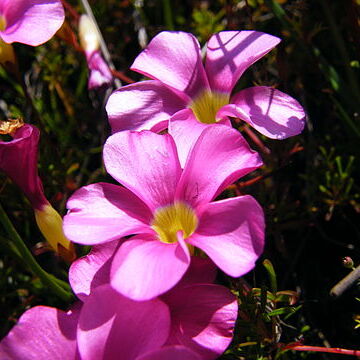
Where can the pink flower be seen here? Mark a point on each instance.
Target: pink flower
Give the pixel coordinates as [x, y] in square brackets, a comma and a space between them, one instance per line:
[100, 73]
[194, 321]
[180, 81]
[169, 209]
[18, 160]
[30, 22]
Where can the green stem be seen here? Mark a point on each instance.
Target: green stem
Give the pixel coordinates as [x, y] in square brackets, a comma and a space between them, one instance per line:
[168, 15]
[346, 117]
[59, 287]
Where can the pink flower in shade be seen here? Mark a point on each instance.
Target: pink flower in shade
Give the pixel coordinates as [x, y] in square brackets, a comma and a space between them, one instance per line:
[194, 321]
[100, 73]
[18, 160]
[30, 22]
[180, 81]
[169, 209]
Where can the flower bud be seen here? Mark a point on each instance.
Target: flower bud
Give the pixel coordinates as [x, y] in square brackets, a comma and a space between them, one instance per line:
[50, 224]
[100, 74]
[89, 38]
[18, 160]
[348, 262]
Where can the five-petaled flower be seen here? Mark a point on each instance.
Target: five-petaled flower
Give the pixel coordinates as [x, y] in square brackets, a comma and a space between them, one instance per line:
[169, 209]
[192, 95]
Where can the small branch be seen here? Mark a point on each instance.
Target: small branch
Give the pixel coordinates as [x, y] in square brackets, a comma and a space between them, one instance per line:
[322, 349]
[346, 282]
[168, 15]
[265, 150]
[71, 10]
[120, 75]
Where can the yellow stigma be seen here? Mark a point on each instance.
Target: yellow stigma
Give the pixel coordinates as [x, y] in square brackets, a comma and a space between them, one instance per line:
[2, 23]
[170, 219]
[206, 105]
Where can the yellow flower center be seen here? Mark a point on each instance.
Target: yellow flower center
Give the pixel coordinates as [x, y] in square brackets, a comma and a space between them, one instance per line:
[170, 219]
[206, 105]
[2, 23]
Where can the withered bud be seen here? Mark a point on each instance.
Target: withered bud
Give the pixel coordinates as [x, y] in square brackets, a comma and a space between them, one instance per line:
[8, 127]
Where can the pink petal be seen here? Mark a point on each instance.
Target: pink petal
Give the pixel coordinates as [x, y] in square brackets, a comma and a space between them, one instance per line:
[269, 111]
[174, 58]
[114, 327]
[202, 319]
[185, 130]
[92, 270]
[103, 212]
[100, 73]
[146, 163]
[146, 105]
[200, 271]
[230, 53]
[231, 233]
[32, 22]
[219, 157]
[42, 333]
[175, 352]
[144, 269]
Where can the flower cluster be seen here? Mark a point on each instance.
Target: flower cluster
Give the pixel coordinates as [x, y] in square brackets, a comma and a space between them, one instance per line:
[147, 289]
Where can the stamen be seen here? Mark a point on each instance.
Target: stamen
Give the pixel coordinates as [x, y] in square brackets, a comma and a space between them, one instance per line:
[170, 219]
[206, 105]
[8, 127]
[2, 23]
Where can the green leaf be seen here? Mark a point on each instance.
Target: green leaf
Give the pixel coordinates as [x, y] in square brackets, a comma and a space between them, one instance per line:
[271, 274]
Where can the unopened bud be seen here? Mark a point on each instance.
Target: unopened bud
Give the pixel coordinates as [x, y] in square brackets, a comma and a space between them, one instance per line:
[348, 262]
[89, 38]
[142, 37]
[50, 224]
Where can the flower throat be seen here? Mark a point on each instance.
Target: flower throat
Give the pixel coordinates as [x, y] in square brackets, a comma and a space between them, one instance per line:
[206, 105]
[170, 219]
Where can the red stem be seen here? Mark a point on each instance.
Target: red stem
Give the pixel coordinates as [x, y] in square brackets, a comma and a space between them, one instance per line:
[122, 76]
[322, 349]
[71, 10]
